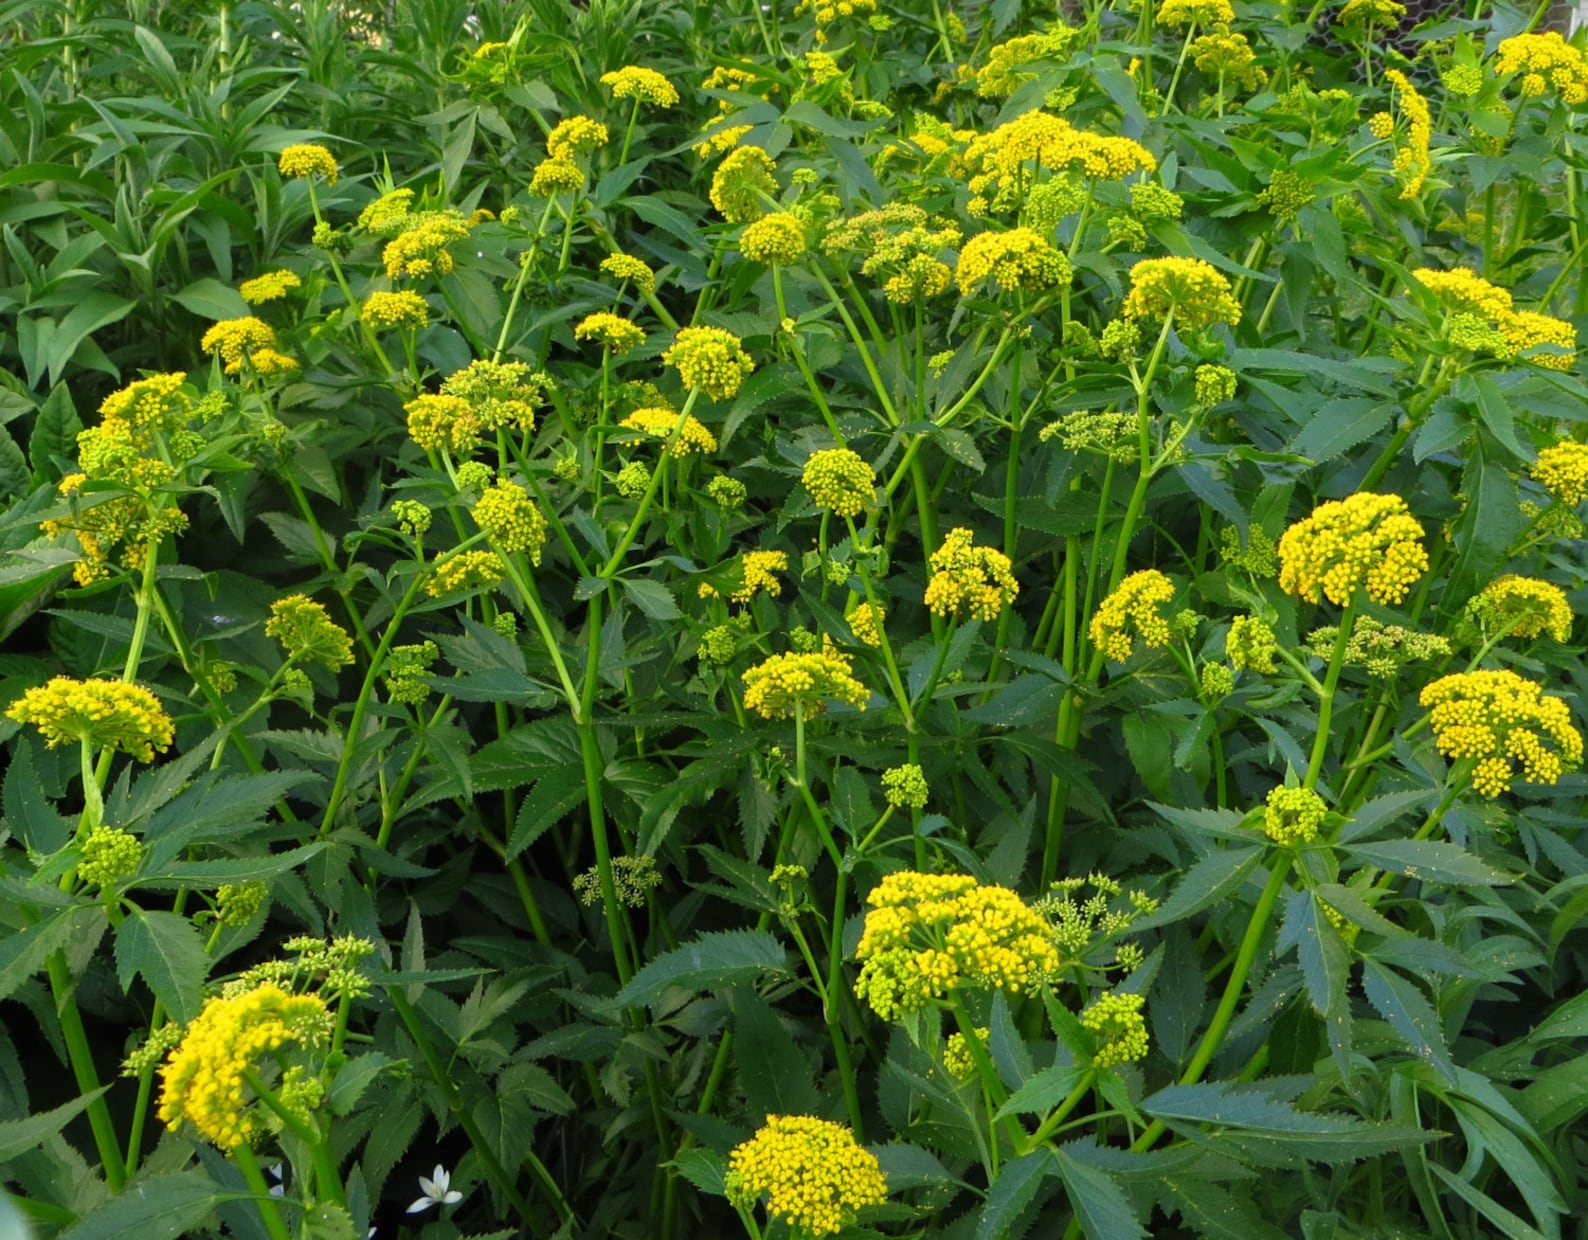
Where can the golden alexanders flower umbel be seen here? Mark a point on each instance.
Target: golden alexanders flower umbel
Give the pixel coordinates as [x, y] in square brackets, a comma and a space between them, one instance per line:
[1507, 723]
[1366, 542]
[812, 1173]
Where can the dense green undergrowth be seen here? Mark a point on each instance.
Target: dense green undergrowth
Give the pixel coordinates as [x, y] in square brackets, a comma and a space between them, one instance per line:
[653, 619]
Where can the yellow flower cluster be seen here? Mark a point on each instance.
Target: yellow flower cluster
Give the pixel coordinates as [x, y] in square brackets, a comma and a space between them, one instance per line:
[272, 286]
[969, 580]
[1293, 815]
[1562, 470]
[740, 183]
[822, 68]
[613, 330]
[109, 855]
[813, 1174]
[958, 1059]
[575, 136]
[307, 633]
[1193, 290]
[1367, 541]
[500, 394]
[465, 571]
[107, 714]
[202, 1081]
[827, 12]
[1115, 1020]
[658, 423]
[512, 519]
[1524, 607]
[236, 340]
[778, 237]
[638, 82]
[1004, 163]
[865, 622]
[728, 78]
[1464, 291]
[1021, 258]
[927, 934]
[758, 572]
[1250, 643]
[905, 786]
[840, 480]
[422, 249]
[406, 308]
[388, 215]
[626, 267]
[784, 683]
[1382, 650]
[1506, 723]
[1132, 610]
[1003, 73]
[1226, 54]
[633, 879]
[1525, 329]
[406, 668]
[710, 358]
[437, 421]
[1356, 14]
[1412, 161]
[555, 176]
[1175, 13]
[305, 159]
[899, 242]
[1548, 59]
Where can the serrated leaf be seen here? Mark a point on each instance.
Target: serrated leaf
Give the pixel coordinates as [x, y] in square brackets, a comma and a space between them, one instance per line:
[1431, 861]
[1042, 1092]
[353, 1078]
[713, 961]
[161, 1207]
[209, 874]
[1099, 1202]
[553, 795]
[27, 809]
[1212, 1211]
[773, 1071]
[23, 952]
[1015, 1188]
[1409, 1013]
[1325, 963]
[1338, 425]
[651, 597]
[168, 953]
[1207, 882]
[20, 1136]
[705, 1169]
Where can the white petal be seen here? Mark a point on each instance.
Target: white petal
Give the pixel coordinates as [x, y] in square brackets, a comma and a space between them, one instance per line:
[442, 1178]
[428, 1189]
[452, 1198]
[423, 1204]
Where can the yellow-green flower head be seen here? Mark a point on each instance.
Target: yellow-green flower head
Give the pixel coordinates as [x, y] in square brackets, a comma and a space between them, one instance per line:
[759, 570]
[710, 359]
[1134, 609]
[412, 516]
[1548, 58]
[637, 82]
[660, 423]
[778, 237]
[929, 934]
[1226, 54]
[633, 480]
[1193, 290]
[157, 403]
[784, 683]
[464, 573]
[1151, 202]
[1523, 607]
[613, 330]
[233, 340]
[404, 308]
[305, 159]
[1385, 14]
[1461, 288]
[740, 182]
[905, 786]
[1116, 1021]
[719, 644]
[555, 176]
[202, 1081]
[1018, 259]
[1562, 470]
[1412, 161]
[575, 136]
[1527, 329]
[500, 394]
[633, 270]
[107, 714]
[268, 363]
[512, 519]
[958, 1060]
[406, 669]
[438, 421]
[1507, 723]
[840, 480]
[1381, 649]
[307, 633]
[633, 879]
[812, 1173]
[1005, 70]
[969, 580]
[1216, 681]
[822, 68]
[1367, 541]
[272, 286]
[237, 903]
[387, 215]
[422, 249]
[1293, 815]
[727, 493]
[865, 622]
[1175, 13]
[1005, 163]
[109, 855]
[1214, 385]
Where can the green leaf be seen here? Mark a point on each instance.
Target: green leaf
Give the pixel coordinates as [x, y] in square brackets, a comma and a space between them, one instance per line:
[651, 597]
[1569, 1020]
[773, 1072]
[210, 299]
[1409, 1013]
[1205, 884]
[1557, 1096]
[711, 962]
[23, 952]
[553, 795]
[1430, 861]
[168, 953]
[1212, 1211]
[1486, 528]
[161, 1207]
[1325, 963]
[28, 811]
[54, 435]
[1042, 1092]
[1510, 1225]
[210, 874]
[707, 1170]
[20, 1136]
[1014, 1189]
[353, 1078]
[1340, 424]
[1099, 1202]
[1497, 416]
[87, 315]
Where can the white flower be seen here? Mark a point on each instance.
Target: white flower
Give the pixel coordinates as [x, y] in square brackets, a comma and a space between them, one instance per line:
[279, 1189]
[437, 1190]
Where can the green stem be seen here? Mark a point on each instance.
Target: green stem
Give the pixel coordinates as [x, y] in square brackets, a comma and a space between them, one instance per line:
[83, 1070]
[269, 1211]
[1331, 681]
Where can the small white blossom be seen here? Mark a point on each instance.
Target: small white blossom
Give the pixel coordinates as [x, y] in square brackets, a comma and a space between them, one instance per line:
[437, 1189]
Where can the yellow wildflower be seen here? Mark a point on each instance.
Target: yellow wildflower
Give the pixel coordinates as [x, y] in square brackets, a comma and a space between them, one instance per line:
[1412, 161]
[1133, 609]
[1115, 1020]
[106, 714]
[626, 267]
[512, 519]
[307, 633]
[1548, 58]
[659, 423]
[710, 359]
[741, 182]
[929, 934]
[905, 786]
[813, 1174]
[865, 622]
[958, 1060]
[1004, 163]
[575, 136]
[422, 249]
[1507, 723]
[1293, 815]
[440, 421]
[272, 286]
[759, 570]
[1251, 643]
[1018, 259]
[305, 159]
[777, 687]
[1359, 13]
[387, 215]
[401, 309]
[1461, 288]
[775, 238]
[613, 330]
[109, 855]
[840, 480]
[464, 572]
[235, 339]
[1003, 74]
[1175, 13]
[1369, 542]
[267, 363]
[639, 83]
[1525, 329]
[969, 580]
[499, 394]
[555, 176]
[1562, 470]
[1523, 607]
[1194, 290]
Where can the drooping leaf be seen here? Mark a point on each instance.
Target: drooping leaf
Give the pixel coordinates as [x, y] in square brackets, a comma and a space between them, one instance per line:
[713, 961]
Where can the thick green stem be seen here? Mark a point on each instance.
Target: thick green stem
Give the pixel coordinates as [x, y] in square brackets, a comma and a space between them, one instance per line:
[269, 1211]
[83, 1070]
